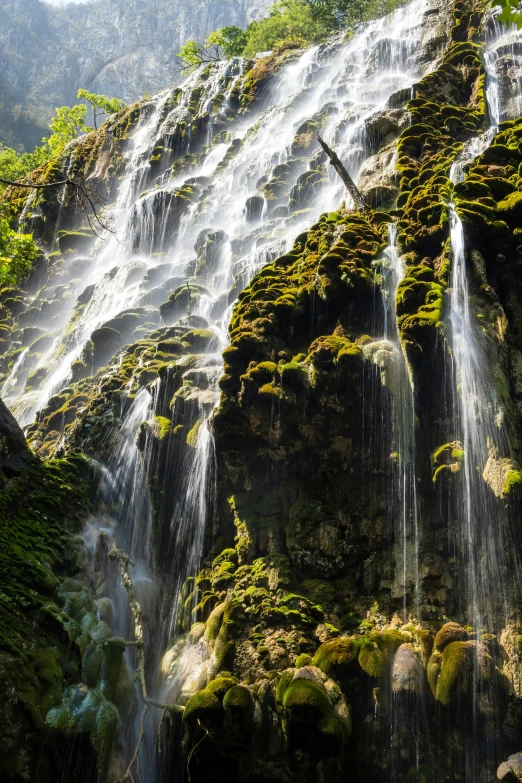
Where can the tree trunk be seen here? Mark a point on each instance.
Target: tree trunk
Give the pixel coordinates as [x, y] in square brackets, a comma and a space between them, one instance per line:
[348, 181]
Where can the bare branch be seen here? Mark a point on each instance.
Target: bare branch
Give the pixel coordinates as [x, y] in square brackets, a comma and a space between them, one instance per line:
[192, 751]
[168, 707]
[158, 736]
[35, 184]
[87, 200]
[347, 180]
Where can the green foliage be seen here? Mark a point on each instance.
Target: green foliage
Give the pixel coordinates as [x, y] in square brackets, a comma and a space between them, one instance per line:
[16, 166]
[231, 40]
[345, 14]
[101, 104]
[287, 24]
[192, 54]
[68, 123]
[511, 12]
[17, 251]
[107, 105]
[290, 23]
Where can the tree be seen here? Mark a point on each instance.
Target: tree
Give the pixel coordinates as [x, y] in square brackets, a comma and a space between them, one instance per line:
[511, 12]
[15, 165]
[17, 251]
[101, 104]
[193, 54]
[66, 126]
[231, 40]
[288, 22]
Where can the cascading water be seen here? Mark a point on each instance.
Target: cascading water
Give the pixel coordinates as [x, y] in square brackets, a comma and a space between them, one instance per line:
[388, 355]
[405, 717]
[489, 568]
[239, 206]
[360, 75]
[479, 414]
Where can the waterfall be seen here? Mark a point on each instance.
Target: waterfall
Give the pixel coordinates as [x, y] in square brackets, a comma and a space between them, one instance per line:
[387, 354]
[8, 386]
[202, 227]
[482, 543]
[378, 62]
[479, 415]
[479, 418]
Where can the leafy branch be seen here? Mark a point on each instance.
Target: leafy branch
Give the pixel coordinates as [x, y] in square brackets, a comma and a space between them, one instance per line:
[511, 11]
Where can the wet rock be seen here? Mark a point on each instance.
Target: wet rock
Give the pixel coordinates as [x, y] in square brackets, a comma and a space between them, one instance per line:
[254, 208]
[210, 247]
[181, 302]
[155, 296]
[105, 341]
[78, 241]
[201, 340]
[407, 671]
[14, 451]
[510, 771]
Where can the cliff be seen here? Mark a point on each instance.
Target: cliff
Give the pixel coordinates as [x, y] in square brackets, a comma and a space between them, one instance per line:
[299, 422]
[120, 49]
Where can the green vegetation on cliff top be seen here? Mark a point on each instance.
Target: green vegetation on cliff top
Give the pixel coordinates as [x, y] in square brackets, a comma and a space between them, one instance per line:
[289, 24]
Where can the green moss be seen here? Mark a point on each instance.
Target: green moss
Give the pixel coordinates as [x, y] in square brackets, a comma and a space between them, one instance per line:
[229, 555]
[214, 623]
[239, 703]
[512, 482]
[220, 685]
[85, 710]
[162, 427]
[371, 659]
[193, 434]
[456, 672]
[307, 699]
[205, 706]
[337, 654]
[39, 510]
[450, 632]
[447, 457]
[433, 670]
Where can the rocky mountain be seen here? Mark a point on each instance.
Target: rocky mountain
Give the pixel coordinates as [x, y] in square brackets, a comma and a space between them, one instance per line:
[123, 49]
[267, 523]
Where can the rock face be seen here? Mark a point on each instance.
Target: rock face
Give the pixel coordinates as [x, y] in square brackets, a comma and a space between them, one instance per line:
[319, 611]
[119, 48]
[13, 447]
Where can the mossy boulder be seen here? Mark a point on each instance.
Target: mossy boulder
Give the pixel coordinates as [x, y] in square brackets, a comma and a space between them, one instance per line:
[450, 632]
[336, 656]
[238, 704]
[205, 708]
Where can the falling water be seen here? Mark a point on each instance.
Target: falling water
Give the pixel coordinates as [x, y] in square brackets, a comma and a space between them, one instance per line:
[388, 355]
[358, 77]
[255, 201]
[8, 386]
[479, 415]
[488, 564]
[125, 482]
[124, 521]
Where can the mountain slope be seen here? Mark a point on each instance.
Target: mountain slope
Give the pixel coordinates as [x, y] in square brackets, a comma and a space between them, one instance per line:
[124, 49]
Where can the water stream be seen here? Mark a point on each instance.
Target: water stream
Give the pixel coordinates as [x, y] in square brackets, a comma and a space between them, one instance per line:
[479, 416]
[389, 357]
[488, 568]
